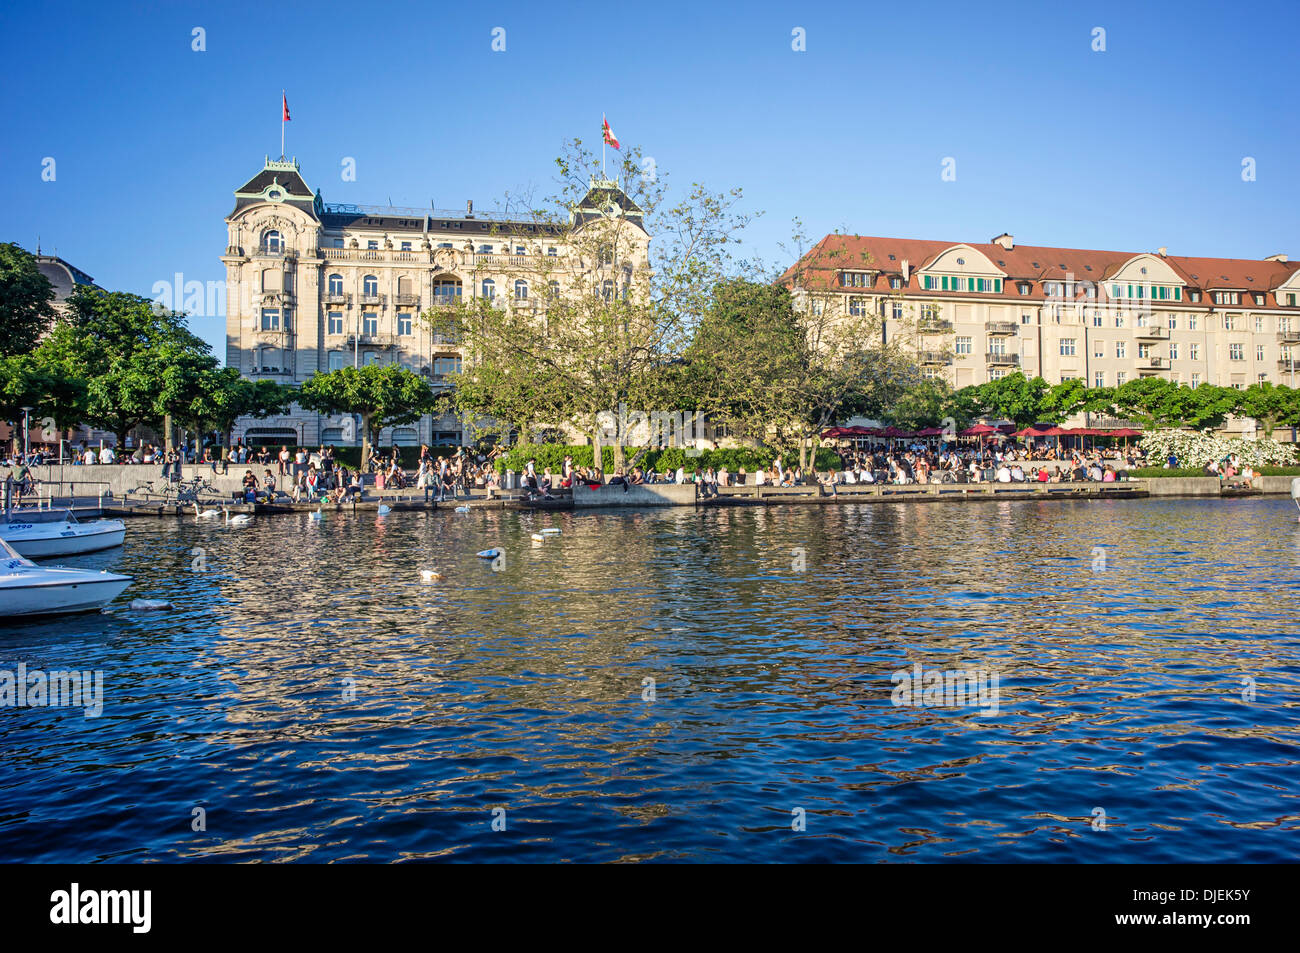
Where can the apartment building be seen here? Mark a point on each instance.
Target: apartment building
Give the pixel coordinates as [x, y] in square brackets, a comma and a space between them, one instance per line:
[314, 286]
[976, 312]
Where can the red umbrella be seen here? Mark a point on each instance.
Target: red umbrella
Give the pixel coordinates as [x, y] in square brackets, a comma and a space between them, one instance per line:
[930, 432]
[978, 430]
[1126, 432]
[1034, 430]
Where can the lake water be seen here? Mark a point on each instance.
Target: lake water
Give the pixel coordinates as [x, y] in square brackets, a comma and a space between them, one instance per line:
[319, 702]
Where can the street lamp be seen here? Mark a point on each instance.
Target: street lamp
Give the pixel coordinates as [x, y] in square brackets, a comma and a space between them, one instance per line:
[26, 431]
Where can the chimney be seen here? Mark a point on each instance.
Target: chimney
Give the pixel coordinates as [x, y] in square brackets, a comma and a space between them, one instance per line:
[1281, 258]
[907, 271]
[1005, 240]
[469, 208]
[1162, 251]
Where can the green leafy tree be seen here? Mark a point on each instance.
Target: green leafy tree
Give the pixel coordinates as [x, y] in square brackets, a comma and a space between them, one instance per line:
[122, 347]
[924, 404]
[1017, 398]
[383, 395]
[1270, 405]
[26, 296]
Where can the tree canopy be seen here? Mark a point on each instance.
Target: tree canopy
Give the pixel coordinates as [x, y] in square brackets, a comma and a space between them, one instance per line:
[26, 296]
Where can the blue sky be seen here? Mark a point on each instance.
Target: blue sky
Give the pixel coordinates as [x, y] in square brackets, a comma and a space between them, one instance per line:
[1133, 148]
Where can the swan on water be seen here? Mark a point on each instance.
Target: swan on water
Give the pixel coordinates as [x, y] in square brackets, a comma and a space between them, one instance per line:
[205, 514]
[239, 520]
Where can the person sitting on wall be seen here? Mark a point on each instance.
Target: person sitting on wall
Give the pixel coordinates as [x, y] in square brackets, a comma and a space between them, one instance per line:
[250, 487]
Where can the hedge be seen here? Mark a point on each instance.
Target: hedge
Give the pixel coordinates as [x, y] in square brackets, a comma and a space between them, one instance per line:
[734, 458]
[1142, 473]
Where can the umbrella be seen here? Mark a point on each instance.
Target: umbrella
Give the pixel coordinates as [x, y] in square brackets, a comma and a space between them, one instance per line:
[978, 430]
[1126, 432]
[930, 432]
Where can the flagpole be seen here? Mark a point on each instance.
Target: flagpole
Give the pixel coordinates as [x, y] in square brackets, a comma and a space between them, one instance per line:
[282, 101]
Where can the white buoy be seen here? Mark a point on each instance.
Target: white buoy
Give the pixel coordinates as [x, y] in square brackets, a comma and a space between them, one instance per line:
[149, 605]
[429, 575]
[462, 509]
[551, 531]
[538, 538]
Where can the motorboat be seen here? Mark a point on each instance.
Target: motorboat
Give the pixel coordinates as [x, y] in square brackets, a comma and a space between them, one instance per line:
[41, 534]
[27, 589]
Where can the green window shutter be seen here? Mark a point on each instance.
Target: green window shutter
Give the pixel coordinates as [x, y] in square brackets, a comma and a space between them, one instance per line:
[1178, 294]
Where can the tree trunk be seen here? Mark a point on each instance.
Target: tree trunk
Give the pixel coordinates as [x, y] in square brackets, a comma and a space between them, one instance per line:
[365, 441]
[167, 432]
[803, 452]
[595, 447]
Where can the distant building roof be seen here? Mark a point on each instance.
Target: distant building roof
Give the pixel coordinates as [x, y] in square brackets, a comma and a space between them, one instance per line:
[64, 277]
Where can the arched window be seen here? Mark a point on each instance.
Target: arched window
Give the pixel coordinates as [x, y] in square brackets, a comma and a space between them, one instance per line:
[272, 243]
[521, 290]
[335, 360]
[370, 286]
[489, 288]
[554, 290]
[607, 289]
[336, 285]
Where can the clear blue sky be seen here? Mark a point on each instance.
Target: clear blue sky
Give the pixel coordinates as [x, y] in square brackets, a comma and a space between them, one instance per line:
[1132, 148]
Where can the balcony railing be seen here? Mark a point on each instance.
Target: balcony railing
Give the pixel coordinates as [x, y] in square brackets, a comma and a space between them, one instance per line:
[274, 251]
[378, 339]
[997, 359]
[1002, 327]
[1289, 337]
[407, 301]
[376, 300]
[933, 326]
[1152, 332]
[373, 254]
[1289, 364]
[935, 357]
[1153, 360]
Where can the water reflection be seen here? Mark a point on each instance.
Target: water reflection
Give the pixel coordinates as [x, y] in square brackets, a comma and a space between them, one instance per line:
[322, 702]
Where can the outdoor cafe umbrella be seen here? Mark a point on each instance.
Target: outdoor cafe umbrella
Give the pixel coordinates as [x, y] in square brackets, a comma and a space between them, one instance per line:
[979, 430]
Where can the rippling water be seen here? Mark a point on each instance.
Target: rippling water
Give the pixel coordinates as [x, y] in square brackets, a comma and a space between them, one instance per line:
[321, 703]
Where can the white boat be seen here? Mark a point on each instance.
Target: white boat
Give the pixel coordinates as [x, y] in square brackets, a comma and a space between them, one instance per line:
[27, 589]
[40, 534]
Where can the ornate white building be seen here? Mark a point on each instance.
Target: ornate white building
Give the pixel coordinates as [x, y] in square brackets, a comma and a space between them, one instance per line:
[316, 287]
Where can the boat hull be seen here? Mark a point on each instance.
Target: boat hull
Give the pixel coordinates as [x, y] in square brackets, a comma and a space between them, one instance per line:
[48, 540]
[28, 596]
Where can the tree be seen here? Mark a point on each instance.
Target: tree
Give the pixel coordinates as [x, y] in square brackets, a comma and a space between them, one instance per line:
[25, 382]
[122, 348]
[384, 395]
[848, 365]
[1017, 398]
[203, 397]
[25, 301]
[1270, 405]
[924, 404]
[594, 325]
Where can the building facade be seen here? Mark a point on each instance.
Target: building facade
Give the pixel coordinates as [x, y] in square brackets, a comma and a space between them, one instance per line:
[976, 312]
[316, 287]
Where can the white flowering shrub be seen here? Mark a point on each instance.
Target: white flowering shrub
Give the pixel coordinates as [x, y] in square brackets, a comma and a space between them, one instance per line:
[1195, 449]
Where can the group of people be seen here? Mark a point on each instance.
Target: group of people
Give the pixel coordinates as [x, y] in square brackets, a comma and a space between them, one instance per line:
[882, 465]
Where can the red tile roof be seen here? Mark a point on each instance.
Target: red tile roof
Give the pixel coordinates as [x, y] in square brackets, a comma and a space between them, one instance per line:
[1033, 263]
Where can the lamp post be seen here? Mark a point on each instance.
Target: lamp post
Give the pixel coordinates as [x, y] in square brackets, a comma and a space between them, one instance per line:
[26, 431]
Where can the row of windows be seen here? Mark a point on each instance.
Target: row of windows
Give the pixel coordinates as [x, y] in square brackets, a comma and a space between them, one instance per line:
[337, 360]
[960, 283]
[1069, 348]
[372, 244]
[857, 279]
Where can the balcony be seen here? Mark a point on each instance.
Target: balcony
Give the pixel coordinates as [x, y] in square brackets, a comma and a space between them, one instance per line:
[529, 262]
[934, 326]
[280, 250]
[1288, 365]
[1153, 362]
[935, 358]
[996, 359]
[1002, 327]
[1288, 337]
[374, 254]
[343, 299]
[374, 301]
[383, 339]
[1152, 332]
[406, 301]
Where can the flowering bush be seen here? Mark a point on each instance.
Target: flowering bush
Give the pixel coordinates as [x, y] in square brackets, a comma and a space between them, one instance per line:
[1197, 449]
